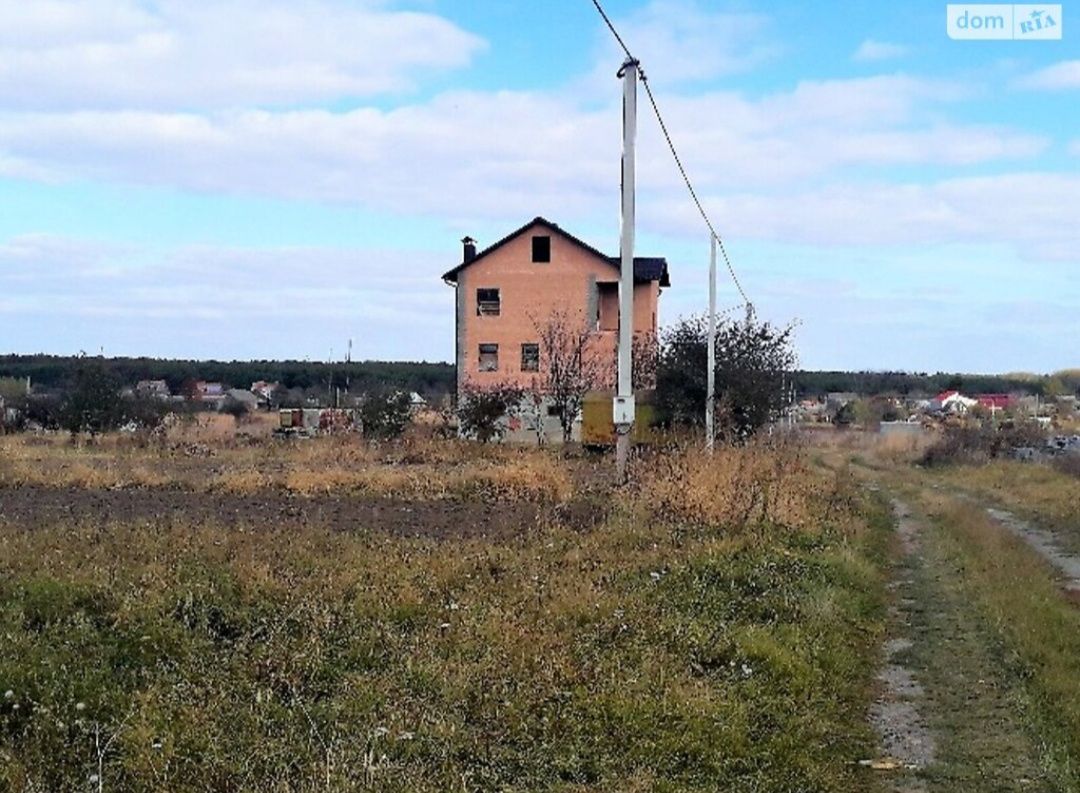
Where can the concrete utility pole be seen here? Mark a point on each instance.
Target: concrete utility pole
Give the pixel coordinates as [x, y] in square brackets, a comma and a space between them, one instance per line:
[623, 407]
[710, 375]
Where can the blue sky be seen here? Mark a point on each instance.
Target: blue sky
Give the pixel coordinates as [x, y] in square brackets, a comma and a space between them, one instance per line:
[243, 179]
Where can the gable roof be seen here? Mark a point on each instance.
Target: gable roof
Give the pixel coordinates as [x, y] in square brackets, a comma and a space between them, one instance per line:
[646, 268]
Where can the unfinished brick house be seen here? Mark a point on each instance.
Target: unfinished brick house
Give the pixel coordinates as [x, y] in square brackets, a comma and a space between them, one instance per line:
[505, 290]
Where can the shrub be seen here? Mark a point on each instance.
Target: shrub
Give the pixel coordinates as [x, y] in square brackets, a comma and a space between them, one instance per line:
[979, 443]
[385, 414]
[751, 360]
[235, 408]
[93, 404]
[481, 410]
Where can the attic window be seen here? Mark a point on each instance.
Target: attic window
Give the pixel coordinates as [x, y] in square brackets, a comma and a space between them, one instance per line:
[489, 358]
[488, 303]
[541, 249]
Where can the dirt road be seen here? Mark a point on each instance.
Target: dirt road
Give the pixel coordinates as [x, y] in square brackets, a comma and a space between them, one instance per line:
[953, 714]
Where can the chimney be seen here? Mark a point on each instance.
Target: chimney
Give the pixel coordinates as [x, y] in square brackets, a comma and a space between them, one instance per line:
[469, 247]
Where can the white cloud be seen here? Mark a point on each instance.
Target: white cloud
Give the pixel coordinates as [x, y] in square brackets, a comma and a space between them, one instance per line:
[1029, 212]
[205, 300]
[506, 154]
[871, 50]
[678, 41]
[1059, 77]
[94, 54]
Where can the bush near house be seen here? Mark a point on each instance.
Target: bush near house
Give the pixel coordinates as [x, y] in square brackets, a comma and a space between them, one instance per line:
[752, 360]
[481, 410]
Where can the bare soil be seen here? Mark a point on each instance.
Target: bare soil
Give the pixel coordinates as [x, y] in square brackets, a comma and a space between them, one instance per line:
[32, 507]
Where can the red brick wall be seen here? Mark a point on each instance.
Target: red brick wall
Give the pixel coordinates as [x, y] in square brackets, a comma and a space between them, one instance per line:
[529, 293]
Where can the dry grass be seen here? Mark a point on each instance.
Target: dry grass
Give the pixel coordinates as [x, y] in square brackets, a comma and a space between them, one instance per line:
[652, 653]
[873, 447]
[756, 485]
[416, 469]
[1038, 491]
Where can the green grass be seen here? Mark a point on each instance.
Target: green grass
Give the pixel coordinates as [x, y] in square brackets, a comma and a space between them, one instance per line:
[1038, 492]
[975, 706]
[643, 655]
[1035, 627]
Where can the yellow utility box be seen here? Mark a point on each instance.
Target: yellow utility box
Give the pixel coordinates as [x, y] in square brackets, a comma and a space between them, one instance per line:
[598, 428]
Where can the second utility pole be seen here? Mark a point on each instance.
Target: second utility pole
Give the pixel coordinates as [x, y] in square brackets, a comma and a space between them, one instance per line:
[623, 406]
[710, 373]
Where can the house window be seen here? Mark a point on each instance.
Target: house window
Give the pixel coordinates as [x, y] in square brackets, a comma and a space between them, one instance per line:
[541, 249]
[530, 357]
[487, 303]
[607, 306]
[489, 357]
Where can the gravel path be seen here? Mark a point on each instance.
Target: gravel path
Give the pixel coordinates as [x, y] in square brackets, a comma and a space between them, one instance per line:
[906, 741]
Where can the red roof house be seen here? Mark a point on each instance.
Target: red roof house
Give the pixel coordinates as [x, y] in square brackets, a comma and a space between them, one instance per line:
[996, 401]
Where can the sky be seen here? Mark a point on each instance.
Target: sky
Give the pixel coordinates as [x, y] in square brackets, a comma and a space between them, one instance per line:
[268, 179]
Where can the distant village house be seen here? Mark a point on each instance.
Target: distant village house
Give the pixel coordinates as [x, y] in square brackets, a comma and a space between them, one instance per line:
[152, 389]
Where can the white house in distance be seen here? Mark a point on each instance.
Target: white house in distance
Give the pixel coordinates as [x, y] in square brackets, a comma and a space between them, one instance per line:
[952, 402]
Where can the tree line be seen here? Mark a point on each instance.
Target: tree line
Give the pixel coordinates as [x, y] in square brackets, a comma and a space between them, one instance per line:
[55, 372]
[818, 383]
[436, 379]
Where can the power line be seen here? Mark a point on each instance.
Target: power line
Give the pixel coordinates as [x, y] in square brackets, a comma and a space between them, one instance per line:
[693, 192]
[611, 27]
[675, 156]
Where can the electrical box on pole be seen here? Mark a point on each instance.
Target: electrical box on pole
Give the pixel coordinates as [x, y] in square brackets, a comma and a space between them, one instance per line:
[623, 407]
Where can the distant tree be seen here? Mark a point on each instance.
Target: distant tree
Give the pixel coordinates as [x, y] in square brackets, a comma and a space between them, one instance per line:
[481, 410]
[143, 411]
[93, 403]
[570, 365]
[44, 410]
[288, 397]
[1069, 379]
[385, 414]
[752, 360]
[1055, 386]
[867, 412]
[278, 397]
[235, 408]
[189, 388]
[12, 389]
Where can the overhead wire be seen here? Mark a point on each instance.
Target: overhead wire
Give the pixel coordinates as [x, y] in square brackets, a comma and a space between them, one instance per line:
[678, 160]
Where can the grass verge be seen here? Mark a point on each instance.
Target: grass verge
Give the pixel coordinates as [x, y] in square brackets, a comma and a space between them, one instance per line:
[1040, 492]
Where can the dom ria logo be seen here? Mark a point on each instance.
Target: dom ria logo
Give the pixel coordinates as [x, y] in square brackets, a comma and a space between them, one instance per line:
[1003, 21]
